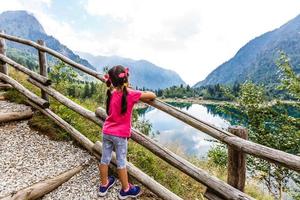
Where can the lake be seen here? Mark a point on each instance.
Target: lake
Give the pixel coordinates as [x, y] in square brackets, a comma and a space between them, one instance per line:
[172, 133]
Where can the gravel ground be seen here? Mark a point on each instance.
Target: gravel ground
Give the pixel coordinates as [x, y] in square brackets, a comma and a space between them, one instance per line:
[82, 186]
[27, 157]
[6, 106]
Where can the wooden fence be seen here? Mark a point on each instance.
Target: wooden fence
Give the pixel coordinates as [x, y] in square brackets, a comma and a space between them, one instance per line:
[235, 138]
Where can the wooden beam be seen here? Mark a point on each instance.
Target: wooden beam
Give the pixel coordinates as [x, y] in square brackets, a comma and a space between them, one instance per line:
[53, 53]
[25, 70]
[237, 161]
[14, 116]
[39, 189]
[198, 174]
[5, 86]
[148, 182]
[211, 195]
[24, 91]
[67, 102]
[43, 67]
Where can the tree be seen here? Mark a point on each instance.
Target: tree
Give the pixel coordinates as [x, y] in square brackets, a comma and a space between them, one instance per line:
[62, 76]
[93, 89]
[272, 126]
[289, 80]
[86, 91]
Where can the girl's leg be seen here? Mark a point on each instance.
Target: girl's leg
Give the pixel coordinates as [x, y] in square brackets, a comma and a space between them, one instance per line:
[103, 174]
[121, 153]
[107, 148]
[123, 178]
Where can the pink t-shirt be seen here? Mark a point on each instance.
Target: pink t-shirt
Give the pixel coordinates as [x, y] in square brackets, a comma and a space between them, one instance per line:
[118, 124]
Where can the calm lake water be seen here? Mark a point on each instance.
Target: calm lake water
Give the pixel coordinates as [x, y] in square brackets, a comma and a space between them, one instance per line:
[173, 133]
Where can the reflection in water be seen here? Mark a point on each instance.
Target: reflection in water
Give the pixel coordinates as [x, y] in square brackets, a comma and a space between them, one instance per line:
[169, 131]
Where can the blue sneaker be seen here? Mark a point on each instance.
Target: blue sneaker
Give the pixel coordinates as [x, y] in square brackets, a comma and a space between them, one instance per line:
[103, 190]
[133, 192]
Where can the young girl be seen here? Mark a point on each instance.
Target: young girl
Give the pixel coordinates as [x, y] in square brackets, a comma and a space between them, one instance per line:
[116, 129]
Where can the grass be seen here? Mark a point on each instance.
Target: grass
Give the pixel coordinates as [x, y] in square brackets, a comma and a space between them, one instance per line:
[155, 167]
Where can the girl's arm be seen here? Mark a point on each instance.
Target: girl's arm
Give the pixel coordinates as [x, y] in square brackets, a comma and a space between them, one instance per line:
[147, 96]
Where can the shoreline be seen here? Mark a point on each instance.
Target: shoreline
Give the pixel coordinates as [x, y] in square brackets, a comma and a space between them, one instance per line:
[142, 105]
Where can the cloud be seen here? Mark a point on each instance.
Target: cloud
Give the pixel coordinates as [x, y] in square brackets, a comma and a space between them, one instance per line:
[191, 37]
[150, 22]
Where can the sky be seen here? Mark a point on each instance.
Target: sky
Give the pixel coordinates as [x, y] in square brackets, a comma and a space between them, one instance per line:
[191, 37]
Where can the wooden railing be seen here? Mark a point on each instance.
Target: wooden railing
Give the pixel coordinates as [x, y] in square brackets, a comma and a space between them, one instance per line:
[216, 189]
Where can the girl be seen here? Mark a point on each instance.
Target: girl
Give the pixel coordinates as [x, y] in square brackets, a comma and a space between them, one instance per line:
[116, 129]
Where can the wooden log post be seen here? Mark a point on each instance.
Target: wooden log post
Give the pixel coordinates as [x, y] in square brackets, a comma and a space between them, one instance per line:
[3, 65]
[43, 67]
[237, 161]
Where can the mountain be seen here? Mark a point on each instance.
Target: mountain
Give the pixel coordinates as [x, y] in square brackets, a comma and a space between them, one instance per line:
[256, 60]
[142, 72]
[22, 24]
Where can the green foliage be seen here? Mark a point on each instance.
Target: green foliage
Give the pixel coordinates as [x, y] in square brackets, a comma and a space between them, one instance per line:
[289, 80]
[176, 91]
[15, 96]
[163, 173]
[272, 126]
[24, 58]
[212, 92]
[218, 155]
[62, 76]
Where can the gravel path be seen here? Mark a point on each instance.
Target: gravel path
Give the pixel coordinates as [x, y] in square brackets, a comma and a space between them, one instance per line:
[27, 157]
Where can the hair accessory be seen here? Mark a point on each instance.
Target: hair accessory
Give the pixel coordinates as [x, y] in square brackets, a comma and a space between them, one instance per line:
[124, 74]
[106, 77]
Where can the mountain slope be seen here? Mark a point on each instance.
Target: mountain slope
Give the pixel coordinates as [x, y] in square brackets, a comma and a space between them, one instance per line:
[22, 24]
[256, 60]
[142, 73]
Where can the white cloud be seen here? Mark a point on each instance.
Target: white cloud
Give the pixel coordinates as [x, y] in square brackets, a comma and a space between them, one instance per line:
[191, 37]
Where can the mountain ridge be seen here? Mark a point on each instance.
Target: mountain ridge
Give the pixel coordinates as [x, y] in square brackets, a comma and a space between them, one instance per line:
[143, 73]
[255, 61]
[23, 24]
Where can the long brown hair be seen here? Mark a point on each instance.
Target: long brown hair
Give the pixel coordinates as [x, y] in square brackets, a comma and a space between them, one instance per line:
[117, 77]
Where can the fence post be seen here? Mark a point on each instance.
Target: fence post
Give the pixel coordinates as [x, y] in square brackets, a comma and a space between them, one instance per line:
[3, 65]
[43, 67]
[237, 161]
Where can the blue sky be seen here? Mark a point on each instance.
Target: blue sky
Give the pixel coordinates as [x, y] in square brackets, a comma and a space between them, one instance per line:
[191, 37]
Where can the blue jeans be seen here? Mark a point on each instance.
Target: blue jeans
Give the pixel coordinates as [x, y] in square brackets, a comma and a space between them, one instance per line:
[120, 144]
